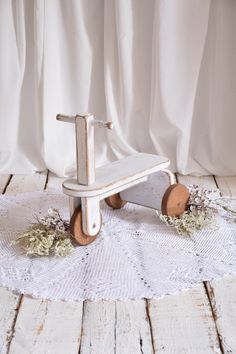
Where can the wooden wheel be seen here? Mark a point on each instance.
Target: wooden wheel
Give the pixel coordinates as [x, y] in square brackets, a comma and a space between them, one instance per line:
[77, 231]
[115, 201]
[175, 200]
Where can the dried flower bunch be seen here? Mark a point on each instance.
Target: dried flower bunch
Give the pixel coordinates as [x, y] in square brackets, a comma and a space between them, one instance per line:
[201, 212]
[49, 236]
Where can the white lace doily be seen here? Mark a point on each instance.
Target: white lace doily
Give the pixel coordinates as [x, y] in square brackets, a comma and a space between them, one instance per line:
[135, 255]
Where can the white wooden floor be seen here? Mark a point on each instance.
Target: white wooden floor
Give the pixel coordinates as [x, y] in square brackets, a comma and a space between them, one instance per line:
[201, 320]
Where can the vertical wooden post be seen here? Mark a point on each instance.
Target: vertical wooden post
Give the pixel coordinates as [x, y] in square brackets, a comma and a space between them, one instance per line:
[85, 149]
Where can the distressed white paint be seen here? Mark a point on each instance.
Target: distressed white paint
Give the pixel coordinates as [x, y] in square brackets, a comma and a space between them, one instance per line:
[116, 327]
[54, 182]
[183, 323]
[227, 185]
[73, 204]
[133, 332]
[180, 324]
[9, 303]
[85, 149]
[85, 157]
[204, 181]
[91, 216]
[150, 192]
[223, 292]
[223, 299]
[41, 326]
[32, 183]
[47, 327]
[117, 175]
[98, 328]
[3, 182]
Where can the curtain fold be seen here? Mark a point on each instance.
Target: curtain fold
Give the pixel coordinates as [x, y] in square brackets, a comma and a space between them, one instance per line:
[163, 71]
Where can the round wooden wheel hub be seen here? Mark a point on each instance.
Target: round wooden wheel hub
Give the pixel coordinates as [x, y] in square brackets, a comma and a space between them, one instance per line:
[175, 200]
[115, 201]
[77, 231]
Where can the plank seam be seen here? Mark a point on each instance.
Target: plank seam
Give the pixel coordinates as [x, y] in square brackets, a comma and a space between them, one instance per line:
[115, 326]
[210, 296]
[81, 329]
[46, 181]
[141, 343]
[150, 325]
[7, 184]
[215, 180]
[11, 334]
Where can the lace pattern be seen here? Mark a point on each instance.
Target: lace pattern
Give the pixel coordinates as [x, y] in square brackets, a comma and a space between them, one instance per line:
[135, 255]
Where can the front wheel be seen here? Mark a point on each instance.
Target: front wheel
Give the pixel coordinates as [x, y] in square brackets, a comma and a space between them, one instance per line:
[76, 229]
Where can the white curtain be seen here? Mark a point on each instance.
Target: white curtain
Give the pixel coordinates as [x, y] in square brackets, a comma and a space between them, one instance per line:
[164, 71]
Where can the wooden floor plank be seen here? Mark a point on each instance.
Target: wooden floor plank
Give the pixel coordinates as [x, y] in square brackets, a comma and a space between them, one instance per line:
[176, 324]
[10, 303]
[54, 182]
[27, 183]
[4, 179]
[46, 327]
[184, 323]
[227, 185]
[120, 327]
[223, 291]
[98, 327]
[51, 327]
[133, 332]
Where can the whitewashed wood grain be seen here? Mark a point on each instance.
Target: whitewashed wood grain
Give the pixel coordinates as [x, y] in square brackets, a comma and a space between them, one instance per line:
[55, 182]
[27, 183]
[118, 175]
[4, 179]
[227, 185]
[10, 303]
[120, 327]
[46, 327]
[51, 327]
[223, 292]
[98, 328]
[133, 333]
[150, 192]
[183, 323]
[85, 149]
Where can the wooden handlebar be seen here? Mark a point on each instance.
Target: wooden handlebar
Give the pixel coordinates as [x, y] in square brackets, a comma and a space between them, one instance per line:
[95, 122]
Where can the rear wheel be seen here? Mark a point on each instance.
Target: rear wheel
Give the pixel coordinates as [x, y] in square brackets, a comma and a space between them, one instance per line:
[175, 200]
[115, 201]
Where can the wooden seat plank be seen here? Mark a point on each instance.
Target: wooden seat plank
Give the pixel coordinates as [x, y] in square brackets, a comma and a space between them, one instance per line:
[117, 174]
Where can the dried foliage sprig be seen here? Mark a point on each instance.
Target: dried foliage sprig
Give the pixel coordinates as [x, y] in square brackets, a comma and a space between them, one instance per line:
[202, 209]
[190, 222]
[49, 236]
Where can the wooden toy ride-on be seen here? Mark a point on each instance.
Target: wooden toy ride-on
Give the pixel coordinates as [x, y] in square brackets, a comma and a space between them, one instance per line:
[118, 182]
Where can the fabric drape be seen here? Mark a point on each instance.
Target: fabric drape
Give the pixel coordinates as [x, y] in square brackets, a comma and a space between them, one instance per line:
[163, 71]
